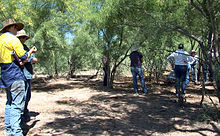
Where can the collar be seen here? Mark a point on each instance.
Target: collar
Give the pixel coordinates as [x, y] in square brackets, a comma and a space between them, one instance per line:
[180, 50]
[10, 33]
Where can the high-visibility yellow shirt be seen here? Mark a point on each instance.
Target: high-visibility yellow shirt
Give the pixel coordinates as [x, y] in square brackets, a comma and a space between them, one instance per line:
[10, 71]
[9, 43]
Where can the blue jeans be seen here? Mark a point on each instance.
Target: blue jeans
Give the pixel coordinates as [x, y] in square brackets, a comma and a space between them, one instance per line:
[186, 82]
[138, 71]
[27, 99]
[210, 74]
[14, 107]
[194, 73]
[205, 72]
[180, 73]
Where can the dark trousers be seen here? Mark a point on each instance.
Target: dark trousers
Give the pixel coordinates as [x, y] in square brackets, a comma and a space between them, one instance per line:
[180, 73]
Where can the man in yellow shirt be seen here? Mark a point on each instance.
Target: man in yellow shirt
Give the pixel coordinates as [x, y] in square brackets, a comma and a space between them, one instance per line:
[12, 78]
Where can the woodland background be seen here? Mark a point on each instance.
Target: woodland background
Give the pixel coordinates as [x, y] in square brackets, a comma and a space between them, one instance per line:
[74, 35]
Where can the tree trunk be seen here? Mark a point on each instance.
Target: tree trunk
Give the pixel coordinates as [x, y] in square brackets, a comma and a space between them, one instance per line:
[217, 80]
[111, 72]
[199, 66]
[109, 85]
[218, 88]
[71, 68]
[112, 77]
[217, 66]
[56, 69]
[203, 89]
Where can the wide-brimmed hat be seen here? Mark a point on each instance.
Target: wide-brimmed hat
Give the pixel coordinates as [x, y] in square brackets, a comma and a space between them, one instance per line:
[135, 48]
[22, 33]
[193, 51]
[9, 22]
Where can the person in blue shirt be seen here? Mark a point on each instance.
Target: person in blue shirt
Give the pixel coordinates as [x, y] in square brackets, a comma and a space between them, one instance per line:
[28, 72]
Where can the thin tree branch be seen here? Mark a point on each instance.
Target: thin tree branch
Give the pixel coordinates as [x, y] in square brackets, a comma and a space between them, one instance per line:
[133, 25]
[197, 7]
[186, 33]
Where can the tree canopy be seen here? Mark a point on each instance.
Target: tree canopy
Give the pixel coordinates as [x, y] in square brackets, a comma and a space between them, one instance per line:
[74, 35]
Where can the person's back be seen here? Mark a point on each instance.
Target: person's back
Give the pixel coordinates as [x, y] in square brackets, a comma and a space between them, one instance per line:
[181, 57]
[136, 69]
[135, 58]
[10, 71]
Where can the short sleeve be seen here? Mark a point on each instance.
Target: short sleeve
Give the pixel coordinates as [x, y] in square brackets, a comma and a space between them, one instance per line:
[18, 47]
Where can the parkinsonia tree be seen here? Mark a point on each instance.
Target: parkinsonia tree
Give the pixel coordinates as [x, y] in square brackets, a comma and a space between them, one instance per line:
[49, 24]
[197, 20]
[119, 30]
[45, 22]
[114, 38]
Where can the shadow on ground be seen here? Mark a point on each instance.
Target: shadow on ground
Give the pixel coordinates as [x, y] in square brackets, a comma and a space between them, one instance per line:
[123, 113]
[26, 127]
[127, 115]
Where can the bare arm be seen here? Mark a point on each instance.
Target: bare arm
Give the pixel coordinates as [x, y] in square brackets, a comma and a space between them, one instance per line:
[32, 50]
[34, 61]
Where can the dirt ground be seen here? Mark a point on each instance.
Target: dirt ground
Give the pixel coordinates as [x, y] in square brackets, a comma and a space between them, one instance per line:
[79, 106]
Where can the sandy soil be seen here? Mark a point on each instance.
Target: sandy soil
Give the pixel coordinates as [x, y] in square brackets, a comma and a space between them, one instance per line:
[84, 107]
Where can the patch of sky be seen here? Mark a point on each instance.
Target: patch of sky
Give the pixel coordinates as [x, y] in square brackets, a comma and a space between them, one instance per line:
[69, 37]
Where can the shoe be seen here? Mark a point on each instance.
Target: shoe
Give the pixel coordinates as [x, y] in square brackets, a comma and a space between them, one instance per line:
[183, 95]
[136, 94]
[145, 93]
[177, 95]
[24, 127]
[27, 119]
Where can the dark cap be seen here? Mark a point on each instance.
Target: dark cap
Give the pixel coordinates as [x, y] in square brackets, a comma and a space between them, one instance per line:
[180, 46]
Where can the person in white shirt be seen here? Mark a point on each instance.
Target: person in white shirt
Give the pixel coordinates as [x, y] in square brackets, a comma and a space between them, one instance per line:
[181, 59]
[194, 66]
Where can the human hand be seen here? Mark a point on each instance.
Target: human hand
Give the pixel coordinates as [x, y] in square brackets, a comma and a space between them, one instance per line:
[34, 61]
[21, 63]
[33, 49]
